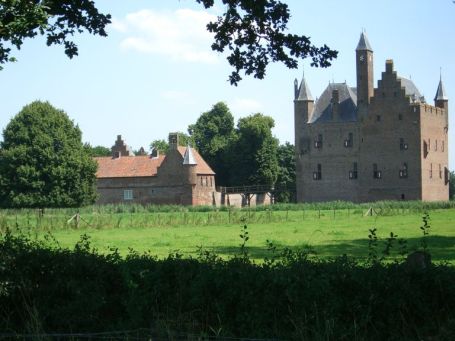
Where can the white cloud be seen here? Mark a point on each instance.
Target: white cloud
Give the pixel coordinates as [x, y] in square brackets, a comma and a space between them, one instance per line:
[119, 25]
[245, 105]
[180, 35]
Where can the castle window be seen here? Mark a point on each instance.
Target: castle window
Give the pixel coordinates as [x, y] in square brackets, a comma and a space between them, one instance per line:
[403, 145]
[349, 142]
[211, 181]
[436, 145]
[425, 149]
[378, 118]
[446, 175]
[403, 173]
[202, 181]
[377, 174]
[440, 171]
[128, 194]
[431, 170]
[318, 142]
[442, 146]
[318, 174]
[353, 172]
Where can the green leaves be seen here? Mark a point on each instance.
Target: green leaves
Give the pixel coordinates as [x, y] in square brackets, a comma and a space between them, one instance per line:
[58, 20]
[255, 34]
[43, 162]
[253, 31]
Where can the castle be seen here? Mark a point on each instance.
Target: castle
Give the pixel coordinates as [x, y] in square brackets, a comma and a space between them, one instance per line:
[367, 144]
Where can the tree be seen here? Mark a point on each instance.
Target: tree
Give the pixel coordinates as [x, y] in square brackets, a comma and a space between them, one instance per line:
[254, 32]
[98, 150]
[43, 162]
[286, 172]
[212, 133]
[452, 185]
[253, 156]
[58, 20]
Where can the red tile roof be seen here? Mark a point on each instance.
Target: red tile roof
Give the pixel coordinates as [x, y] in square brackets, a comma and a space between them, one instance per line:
[138, 166]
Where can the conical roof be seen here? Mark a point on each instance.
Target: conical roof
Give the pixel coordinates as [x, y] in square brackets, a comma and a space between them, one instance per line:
[441, 93]
[188, 157]
[363, 44]
[304, 91]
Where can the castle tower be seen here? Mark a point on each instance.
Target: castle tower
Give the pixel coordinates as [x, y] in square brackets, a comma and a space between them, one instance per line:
[365, 79]
[303, 108]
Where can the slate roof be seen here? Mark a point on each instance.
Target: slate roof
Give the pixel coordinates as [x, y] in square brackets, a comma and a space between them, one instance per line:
[441, 94]
[304, 91]
[141, 166]
[188, 157]
[347, 105]
[363, 44]
[409, 87]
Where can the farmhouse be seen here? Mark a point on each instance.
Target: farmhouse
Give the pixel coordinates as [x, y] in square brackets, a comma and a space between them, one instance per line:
[181, 177]
[366, 144]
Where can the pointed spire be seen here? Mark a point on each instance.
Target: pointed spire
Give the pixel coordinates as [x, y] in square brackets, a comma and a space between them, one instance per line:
[188, 157]
[364, 44]
[441, 94]
[304, 91]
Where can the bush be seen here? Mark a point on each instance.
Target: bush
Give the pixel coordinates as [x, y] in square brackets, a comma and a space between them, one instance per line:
[46, 288]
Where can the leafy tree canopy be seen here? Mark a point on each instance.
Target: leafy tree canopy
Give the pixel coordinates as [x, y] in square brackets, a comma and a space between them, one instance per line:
[254, 32]
[286, 172]
[212, 134]
[452, 185]
[98, 150]
[43, 162]
[58, 20]
[254, 152]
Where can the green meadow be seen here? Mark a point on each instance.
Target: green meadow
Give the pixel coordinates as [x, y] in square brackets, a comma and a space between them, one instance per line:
[324, 233]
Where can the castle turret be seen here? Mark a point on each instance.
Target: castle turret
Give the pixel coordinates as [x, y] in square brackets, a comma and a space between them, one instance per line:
[365, 79]
[303, 108]
[440, 99]
[189, 163]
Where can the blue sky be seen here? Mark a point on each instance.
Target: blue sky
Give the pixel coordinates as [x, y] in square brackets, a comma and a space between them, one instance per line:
[155, 73]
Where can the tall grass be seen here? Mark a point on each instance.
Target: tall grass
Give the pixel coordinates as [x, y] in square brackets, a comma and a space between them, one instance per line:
[140, 216]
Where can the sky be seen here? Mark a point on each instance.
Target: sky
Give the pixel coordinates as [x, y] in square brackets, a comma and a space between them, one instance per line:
[155, 73]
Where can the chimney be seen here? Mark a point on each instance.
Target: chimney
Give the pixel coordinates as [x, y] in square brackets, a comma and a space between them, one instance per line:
[155, 153]
[389, 66]
[173, 141]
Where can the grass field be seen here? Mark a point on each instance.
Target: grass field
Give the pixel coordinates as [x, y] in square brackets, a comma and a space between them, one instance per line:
[326, 232]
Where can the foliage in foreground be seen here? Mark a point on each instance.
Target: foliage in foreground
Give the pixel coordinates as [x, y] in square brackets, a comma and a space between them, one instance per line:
[50, 289]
